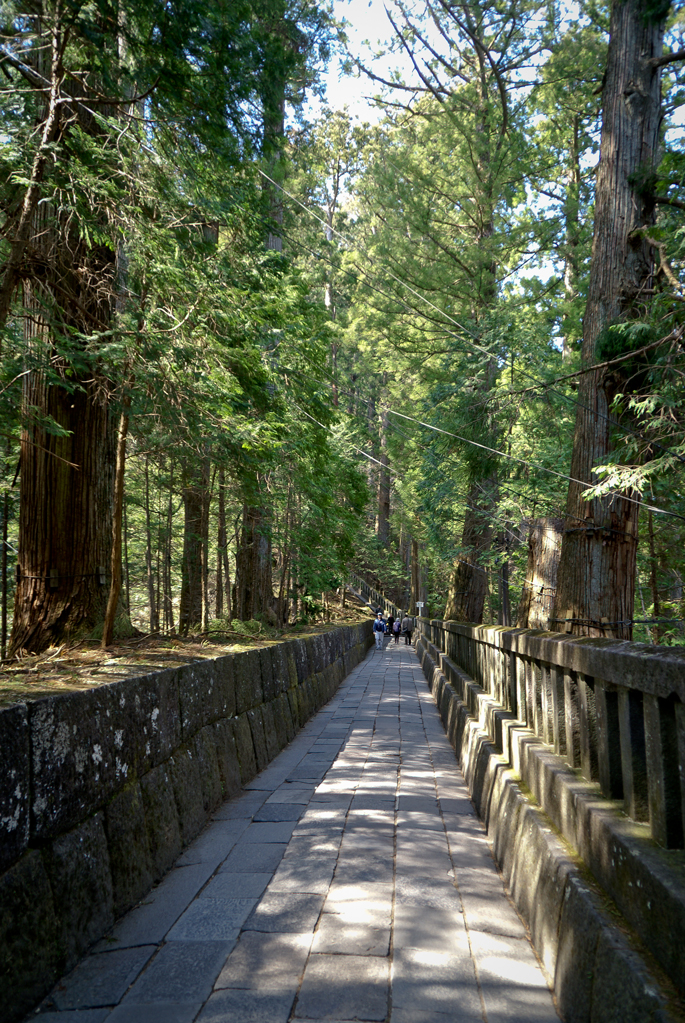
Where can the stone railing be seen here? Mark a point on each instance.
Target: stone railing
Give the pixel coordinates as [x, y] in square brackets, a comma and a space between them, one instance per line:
[592, 733]
[614, 710]
[100, 790]
[374, 597]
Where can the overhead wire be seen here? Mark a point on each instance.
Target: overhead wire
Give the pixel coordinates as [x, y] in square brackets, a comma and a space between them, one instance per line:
[470, 337]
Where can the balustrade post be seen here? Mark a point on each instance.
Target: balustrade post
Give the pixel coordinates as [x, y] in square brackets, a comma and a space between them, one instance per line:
[511, 682]
[588, 727]
[633, 754]
[557, 710]
[521, 694]
[546, 700]
[663, 776]
[608, 741]
[572, 718]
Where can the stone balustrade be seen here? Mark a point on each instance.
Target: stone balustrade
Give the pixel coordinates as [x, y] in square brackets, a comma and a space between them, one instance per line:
[614, 710]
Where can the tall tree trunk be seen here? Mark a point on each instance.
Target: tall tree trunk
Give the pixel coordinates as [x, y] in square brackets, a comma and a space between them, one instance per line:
[3, 574]
[190, 611]
[653, 578]
[537, 597]
[415, 577]
[253, 582]
[168, 541]
[598, 557]
[154, 617]
[117, 516]
[65, 516]
[572, 234]
[221, 552]
[468, 587]
[383, 517]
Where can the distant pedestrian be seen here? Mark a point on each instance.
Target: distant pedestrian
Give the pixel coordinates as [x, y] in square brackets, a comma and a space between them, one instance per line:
[407, 626]
[396, 627]
[379, 630]
[389, 624]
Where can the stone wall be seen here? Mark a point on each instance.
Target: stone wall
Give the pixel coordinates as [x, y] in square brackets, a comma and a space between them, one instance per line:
[570, 858]
[101, 790]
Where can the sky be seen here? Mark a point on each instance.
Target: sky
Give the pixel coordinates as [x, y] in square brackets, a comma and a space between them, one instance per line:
[366, 20]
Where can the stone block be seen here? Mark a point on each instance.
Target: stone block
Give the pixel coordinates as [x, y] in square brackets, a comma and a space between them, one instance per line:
[182, 971]
[227, 758]
[200, 697]
[78, 869]
[273, 745]
[256, 721]
[148, 708]
[283, 727]
[245, 748]
[101, 979]
[30, 955]
[279, 668]
[248, 680]
[316, 654]
[204, 751]
[129, 848]
[299, 651]
[212, 919]
[294, 704]
[14, 783]
[289, 651]
[580, 929]
[269, 687]
[82, 753]
[246, 1006]
[161, 819]
[225, 678]
[288, 913]
[344, 987]
[187, 785]
[304, 702]
[623, 991]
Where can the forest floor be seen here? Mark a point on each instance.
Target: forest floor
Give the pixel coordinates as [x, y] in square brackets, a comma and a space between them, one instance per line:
[69, 668]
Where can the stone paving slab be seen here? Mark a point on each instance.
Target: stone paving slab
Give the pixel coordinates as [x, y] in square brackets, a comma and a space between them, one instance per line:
[351, 880]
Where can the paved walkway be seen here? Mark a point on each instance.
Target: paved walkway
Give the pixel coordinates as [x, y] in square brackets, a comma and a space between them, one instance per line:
[350, 881]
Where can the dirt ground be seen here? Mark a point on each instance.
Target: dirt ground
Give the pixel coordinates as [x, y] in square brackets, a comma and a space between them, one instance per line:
[66, 669]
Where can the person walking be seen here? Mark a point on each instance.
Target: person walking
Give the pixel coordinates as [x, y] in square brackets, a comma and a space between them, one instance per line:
[389, 624]
[396, 627]
[407, 626]
[379, 630]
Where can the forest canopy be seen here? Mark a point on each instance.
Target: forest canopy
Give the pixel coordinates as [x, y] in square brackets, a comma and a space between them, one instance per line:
[252, 342]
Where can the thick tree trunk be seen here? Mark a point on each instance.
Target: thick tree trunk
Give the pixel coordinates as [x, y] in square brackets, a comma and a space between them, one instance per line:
[537, 596]
[598, 557]
[253, 583]
[468, 588]
[154, 617]
[383, 516]
[65, 517]
[190, 611]
[117, 517]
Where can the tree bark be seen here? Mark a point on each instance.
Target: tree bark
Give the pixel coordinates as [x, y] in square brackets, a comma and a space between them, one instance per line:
[598, 557]
[383, 516]
[154, 617]
[537, 597]
[115, 557]
[253, 583]
[468, 588]
[190, 611]
[65, 517]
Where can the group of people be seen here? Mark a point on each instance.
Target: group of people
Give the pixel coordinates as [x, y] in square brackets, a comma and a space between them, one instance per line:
[393, 627]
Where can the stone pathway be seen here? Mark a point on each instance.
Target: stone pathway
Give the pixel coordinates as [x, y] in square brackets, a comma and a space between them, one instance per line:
[351, 880]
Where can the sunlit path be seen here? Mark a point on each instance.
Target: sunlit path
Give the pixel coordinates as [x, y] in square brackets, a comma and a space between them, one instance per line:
[350, 881]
